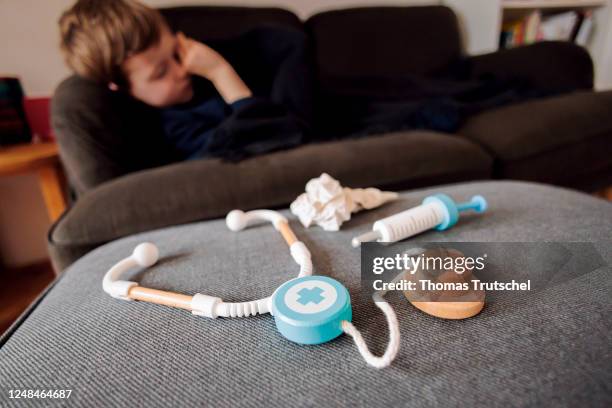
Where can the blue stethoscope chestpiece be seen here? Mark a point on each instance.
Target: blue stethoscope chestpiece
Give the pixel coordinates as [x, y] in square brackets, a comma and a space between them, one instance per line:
[310, 309]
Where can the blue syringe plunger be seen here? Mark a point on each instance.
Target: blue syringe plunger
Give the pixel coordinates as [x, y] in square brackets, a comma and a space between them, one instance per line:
[477, 203]
[452, 209]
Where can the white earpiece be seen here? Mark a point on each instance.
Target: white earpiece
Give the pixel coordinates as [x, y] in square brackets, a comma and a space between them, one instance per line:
[145, 254]
[236, 220]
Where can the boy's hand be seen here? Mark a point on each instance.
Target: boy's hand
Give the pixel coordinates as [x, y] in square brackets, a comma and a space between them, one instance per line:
[200, 59]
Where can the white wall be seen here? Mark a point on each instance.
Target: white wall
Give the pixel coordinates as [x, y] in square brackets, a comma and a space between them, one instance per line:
[29, 42]
[601, 47]
[479, 22]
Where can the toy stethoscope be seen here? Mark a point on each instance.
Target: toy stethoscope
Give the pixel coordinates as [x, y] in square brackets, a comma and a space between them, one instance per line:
[307, 309]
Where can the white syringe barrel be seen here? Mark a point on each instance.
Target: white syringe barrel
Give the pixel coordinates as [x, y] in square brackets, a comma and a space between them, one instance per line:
[410, 222]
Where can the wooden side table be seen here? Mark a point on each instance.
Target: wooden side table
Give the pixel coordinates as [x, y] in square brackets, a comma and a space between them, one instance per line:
[43, 159]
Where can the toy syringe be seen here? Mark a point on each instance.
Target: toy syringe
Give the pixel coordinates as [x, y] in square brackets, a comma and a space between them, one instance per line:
[438, 211]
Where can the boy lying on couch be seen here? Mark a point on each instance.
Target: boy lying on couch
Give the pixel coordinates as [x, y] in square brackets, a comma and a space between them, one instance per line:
[206, 107]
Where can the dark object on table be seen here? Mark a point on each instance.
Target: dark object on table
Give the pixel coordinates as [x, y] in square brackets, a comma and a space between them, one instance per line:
[13, 123]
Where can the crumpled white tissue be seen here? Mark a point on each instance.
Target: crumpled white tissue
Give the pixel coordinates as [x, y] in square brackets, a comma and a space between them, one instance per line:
[327, 204]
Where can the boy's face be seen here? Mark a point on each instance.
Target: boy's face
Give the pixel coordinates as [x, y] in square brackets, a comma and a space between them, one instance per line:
[156, 77]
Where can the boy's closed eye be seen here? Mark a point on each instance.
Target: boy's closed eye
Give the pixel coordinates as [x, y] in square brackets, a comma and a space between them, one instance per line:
[160, 72]
[163, 68]
[176, 52]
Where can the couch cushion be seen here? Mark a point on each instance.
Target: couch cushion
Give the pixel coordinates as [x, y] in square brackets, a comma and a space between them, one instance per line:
[203, 189]
[384, 41]
[538, 139]
[531, 349]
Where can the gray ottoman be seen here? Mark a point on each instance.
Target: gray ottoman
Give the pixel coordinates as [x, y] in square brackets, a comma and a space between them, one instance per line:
[549, 349]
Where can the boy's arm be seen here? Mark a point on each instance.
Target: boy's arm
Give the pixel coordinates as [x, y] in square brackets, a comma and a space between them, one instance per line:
[200, 59]
[229, 85]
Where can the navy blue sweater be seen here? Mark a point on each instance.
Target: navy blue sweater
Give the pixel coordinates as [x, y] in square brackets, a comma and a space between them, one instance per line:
[208, 127]
[190, 127]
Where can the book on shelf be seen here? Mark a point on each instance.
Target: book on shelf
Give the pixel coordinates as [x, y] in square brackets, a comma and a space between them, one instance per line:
[573, 26]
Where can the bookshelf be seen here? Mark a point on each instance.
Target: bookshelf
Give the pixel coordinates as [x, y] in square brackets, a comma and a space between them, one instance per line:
[513, 9]
[550, 4]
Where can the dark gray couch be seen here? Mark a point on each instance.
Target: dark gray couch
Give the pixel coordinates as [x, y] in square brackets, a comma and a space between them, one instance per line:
[125, 182]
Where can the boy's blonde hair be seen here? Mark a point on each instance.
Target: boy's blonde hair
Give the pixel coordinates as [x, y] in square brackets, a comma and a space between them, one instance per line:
[97, 36]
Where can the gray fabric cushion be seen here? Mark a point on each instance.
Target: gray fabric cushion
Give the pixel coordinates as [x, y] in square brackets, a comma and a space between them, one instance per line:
[204, 189]
[545, 349]
[537, 140]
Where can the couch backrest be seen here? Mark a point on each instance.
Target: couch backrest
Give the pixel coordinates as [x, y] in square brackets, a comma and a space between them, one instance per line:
[384, 41]
[206, 23]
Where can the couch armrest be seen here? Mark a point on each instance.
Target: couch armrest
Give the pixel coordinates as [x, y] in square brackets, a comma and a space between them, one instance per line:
[164, 196]
[101, 133]
[169, 195]
[552, 65]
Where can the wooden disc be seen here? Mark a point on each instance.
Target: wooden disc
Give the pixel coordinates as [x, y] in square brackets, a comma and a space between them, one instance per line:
[446, 304]
[450, 310]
